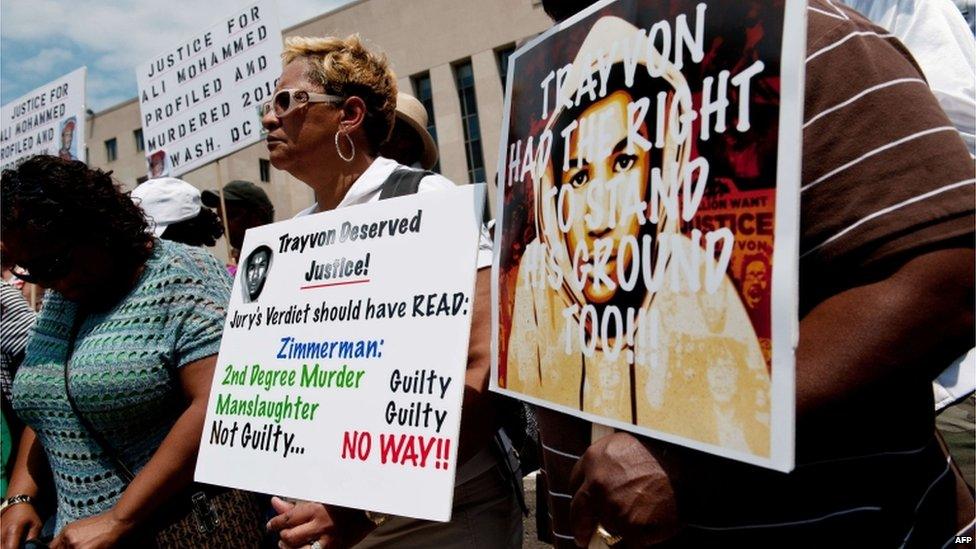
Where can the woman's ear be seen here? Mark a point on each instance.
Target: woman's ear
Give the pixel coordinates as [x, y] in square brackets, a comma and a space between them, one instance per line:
[352, 114]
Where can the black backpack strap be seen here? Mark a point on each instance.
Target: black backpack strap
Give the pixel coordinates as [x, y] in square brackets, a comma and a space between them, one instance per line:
[403, 181]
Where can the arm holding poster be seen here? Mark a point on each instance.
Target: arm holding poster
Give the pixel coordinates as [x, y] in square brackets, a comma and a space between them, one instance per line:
[628, 484]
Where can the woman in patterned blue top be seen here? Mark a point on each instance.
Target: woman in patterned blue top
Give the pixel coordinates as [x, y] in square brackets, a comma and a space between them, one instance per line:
[147, 315]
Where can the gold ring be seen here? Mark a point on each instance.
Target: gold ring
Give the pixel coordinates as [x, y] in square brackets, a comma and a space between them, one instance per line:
[607, 537]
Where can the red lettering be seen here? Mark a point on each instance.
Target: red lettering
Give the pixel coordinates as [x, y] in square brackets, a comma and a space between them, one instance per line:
[356, 445]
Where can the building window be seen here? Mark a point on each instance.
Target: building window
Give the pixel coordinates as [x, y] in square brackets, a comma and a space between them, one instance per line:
[111, 150]
[140, 144]
[425, 94]
[464, 75]
[265, 167]
[501, 55]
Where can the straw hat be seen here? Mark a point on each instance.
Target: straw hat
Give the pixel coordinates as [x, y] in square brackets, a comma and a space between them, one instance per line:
[411, 112]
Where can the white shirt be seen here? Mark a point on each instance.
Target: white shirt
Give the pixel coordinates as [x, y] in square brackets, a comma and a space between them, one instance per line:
[939, 39]
[370, 184]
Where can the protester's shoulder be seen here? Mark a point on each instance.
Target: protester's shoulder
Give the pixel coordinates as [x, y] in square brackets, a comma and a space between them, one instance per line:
[307, 211]
[17, 314]
[842, 42]
[10, 297]
[831, 19]
[875, 141]
[51, 323]
[435, 182]
[5, 289]
[176, 263]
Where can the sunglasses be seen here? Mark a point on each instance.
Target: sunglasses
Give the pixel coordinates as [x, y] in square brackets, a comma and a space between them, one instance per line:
[44, 270]
[284, 102]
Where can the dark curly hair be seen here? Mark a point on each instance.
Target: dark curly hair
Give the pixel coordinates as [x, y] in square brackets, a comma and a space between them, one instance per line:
[70, 202]
[202, 230]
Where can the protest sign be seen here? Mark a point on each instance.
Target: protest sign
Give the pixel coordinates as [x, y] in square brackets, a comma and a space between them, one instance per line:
[48, 120]
[342, 365]
[646, 265]
[200, 99]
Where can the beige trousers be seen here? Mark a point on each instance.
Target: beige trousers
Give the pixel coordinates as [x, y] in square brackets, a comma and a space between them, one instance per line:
[486, 516]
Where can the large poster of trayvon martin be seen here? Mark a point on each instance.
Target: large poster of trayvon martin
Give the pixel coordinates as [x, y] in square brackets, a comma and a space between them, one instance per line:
[646, 252]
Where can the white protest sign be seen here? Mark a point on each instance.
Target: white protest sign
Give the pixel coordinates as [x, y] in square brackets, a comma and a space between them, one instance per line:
[48, 120]
[342, 364]
[200, 99]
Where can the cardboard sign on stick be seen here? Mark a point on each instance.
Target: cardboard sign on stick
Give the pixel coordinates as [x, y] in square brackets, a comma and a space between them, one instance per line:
[200, 99]
[48, 120]
[646, 253]
[342, 366]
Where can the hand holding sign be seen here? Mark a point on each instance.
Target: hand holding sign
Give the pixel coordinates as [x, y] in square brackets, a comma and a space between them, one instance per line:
[306, 522]
[620, 486]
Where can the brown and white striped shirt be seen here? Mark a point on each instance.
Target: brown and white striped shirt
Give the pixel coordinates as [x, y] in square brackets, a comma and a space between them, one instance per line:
[885, 174]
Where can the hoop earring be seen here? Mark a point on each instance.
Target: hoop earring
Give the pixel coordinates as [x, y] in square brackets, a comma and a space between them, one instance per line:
[352, 145]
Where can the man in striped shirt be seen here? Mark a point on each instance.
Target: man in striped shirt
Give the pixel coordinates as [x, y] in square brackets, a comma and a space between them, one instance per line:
[18, 318]
[16, 321]
[886, 300]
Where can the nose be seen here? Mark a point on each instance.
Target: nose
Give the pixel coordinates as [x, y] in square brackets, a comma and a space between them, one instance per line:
[598, 210]
[270, 120]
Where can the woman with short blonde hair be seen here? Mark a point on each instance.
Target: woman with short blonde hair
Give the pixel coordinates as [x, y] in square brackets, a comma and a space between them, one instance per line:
[333, 107]
[345, 68]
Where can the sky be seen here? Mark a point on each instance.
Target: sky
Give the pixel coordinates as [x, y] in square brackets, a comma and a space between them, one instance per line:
[41, 40]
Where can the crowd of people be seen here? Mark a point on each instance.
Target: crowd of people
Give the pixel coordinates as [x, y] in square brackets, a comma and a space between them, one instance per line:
[105, 388]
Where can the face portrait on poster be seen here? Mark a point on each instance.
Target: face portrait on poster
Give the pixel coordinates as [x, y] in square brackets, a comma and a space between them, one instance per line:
[69, 149]
[647, 249]
[158, 164]
[256, 268]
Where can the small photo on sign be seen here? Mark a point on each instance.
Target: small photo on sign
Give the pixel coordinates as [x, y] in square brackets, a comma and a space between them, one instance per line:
[68, 150]
[256, 268]
[158, 165]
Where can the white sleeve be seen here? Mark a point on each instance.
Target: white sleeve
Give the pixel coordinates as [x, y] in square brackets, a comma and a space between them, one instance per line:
[438, 182]
[936, 34]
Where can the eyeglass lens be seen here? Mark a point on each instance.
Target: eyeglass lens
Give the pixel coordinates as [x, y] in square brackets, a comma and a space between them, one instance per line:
[282, 101]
